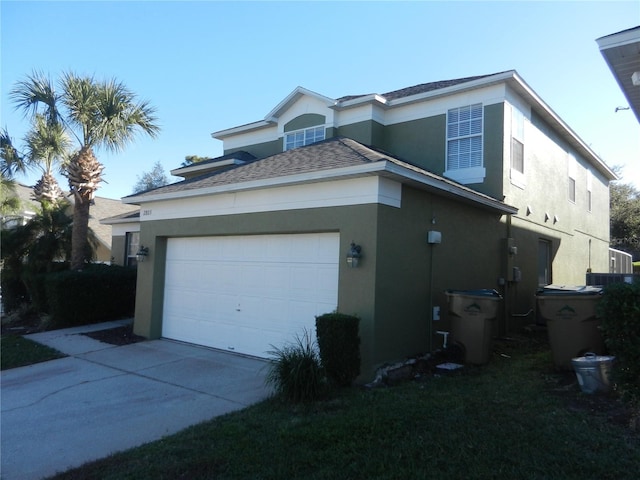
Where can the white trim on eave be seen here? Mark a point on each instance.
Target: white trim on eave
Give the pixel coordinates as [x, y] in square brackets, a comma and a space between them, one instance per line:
[377, 168]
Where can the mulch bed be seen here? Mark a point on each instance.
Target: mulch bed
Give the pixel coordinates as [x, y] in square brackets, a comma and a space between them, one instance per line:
[116, 336]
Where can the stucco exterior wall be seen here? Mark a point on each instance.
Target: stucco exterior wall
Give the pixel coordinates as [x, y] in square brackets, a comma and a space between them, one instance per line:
[389, 291]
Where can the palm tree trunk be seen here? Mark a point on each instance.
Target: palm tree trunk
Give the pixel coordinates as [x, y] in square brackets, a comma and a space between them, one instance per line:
[83, 173]
[79, 242]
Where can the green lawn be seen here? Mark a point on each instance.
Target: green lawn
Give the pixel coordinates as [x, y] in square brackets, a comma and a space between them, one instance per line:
[17, 351]
[508, 420]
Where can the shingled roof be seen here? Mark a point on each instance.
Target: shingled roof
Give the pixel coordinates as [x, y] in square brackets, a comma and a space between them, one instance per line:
[337, 156]
[328, 154]
[422, 88]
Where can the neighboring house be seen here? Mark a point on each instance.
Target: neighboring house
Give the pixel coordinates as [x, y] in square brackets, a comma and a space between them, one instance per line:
[26, 210]
[621, 51]
[462, 184]
[103, 207]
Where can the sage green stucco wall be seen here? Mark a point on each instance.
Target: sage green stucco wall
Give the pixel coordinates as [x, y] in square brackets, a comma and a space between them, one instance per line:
[390, 289]
[409, 269]
[356, 286]
[260, 150]
[493, 151]
[421, 142]
[306, 120]
[369, 133]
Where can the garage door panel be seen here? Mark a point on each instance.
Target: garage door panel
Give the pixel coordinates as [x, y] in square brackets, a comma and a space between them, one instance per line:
[248, 293]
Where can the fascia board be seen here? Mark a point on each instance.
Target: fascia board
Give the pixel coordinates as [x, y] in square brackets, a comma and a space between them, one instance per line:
[298, 92]
[355, 102]
[322, 175]
[521, 87]
[222, 134]
[619, 39]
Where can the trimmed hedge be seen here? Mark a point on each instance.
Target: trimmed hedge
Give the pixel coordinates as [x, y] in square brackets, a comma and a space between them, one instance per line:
[339, 345]
[619, 310]
[96, 294]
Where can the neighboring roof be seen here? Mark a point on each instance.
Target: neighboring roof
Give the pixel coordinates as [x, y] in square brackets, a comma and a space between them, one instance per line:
[103, 207]
[621, 51]
[129, 217]
[331, 159]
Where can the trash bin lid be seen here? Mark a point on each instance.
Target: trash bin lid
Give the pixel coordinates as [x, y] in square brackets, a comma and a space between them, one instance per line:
[475, 293]
[591, 360]
[569, 290]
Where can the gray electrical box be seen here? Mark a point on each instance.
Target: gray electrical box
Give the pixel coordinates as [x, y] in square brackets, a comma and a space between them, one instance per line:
[434, 237]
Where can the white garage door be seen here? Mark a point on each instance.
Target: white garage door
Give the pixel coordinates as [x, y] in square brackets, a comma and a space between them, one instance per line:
[246, 293]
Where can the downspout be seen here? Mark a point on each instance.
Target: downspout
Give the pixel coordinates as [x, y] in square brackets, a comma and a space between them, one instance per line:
[507, 299]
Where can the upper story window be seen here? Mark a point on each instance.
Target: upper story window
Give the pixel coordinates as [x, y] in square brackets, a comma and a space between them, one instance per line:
[306, 136]
[572, 171]
[589, 190]
[464, 144]
[517, 147]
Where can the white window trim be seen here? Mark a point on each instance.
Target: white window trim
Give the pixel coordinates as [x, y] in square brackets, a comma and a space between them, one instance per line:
[466, 175]
[589, 191]
[303, 131]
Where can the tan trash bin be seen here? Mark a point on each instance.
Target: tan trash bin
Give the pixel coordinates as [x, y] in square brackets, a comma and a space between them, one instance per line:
[572, 324]
[473, 314]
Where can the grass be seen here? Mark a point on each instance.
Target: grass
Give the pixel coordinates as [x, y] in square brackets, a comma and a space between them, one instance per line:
[17, 351]
[509, 419]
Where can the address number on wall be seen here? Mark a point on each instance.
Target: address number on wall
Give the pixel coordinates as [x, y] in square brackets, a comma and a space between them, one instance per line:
[146, 213]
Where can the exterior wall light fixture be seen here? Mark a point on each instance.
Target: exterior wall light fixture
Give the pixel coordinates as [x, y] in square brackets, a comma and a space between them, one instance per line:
[354, 255]
[143, 253]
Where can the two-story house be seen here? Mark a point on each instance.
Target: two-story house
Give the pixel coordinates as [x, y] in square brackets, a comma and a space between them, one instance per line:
[462, 184]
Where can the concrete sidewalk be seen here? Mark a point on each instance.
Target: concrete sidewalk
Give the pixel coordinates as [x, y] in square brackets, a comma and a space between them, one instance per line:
[104, 398]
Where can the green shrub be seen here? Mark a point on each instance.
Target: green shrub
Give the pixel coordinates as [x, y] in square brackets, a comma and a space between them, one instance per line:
[339, 345]
[96, 294]
[36, 285]
[295, 371]
[620, 313]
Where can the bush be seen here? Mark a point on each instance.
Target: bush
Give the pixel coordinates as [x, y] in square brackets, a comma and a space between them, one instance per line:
[96, 294]
[295, 371]
[339, 345]
[620, 313]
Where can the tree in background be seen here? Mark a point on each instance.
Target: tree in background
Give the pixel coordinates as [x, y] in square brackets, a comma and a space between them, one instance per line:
[10, 163]
[98, 114]
[191, 159]
[152, 179]
[624, 214]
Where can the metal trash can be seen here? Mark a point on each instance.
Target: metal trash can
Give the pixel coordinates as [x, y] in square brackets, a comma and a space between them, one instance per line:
[473, 314]
[572, 325]
[593, 371]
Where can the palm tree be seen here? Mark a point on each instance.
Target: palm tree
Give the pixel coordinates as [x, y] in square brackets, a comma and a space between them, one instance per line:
[11, 162]
[47, 145]
[97, 114]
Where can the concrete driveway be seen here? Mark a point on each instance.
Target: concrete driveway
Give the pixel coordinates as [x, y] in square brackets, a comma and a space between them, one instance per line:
[104, 398]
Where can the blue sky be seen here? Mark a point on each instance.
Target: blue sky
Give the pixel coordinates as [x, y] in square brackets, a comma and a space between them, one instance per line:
[208, 66]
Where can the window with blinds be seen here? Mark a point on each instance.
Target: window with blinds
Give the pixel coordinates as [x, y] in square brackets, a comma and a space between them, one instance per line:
[464, 137]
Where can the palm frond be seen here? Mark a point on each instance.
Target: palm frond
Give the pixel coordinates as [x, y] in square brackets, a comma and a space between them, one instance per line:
[47, 144]
[11, 161]
[36, 94]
